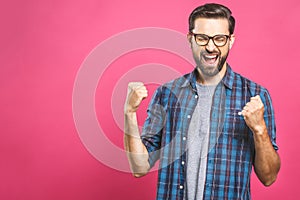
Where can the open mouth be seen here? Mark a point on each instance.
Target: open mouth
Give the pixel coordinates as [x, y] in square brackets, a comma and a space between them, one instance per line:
[210, 59]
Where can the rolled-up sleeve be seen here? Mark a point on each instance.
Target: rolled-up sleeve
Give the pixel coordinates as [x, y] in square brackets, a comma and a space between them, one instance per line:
[153, 127]
[269, 117]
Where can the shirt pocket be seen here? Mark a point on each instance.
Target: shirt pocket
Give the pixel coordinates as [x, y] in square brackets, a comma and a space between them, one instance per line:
[235, 125]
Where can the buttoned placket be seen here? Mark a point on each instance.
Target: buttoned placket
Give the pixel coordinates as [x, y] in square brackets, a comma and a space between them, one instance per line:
[184, 139]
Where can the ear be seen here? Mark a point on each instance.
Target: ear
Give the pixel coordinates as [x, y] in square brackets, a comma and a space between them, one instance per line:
[189, 38]
[231, 41]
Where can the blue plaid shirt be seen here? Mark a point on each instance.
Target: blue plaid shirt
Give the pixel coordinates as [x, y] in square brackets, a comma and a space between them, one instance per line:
[231, 146]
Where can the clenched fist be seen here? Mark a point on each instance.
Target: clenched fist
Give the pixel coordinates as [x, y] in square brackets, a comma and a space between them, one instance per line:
[136, 92]
[253, 113]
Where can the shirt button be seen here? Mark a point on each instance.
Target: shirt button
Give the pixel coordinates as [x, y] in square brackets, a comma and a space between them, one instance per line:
[181, 187]
[189, 116]
[182, 162]
[184, 138]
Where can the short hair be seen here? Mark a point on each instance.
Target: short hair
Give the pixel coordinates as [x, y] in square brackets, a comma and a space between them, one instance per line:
[213, 11]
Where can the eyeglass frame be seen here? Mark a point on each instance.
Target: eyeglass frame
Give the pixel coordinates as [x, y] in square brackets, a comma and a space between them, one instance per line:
[210, 38]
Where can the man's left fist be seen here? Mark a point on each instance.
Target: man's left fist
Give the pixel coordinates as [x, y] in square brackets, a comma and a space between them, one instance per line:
[253, 113]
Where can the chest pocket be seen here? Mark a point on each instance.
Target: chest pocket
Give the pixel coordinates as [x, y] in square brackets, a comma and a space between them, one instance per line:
[235, 125]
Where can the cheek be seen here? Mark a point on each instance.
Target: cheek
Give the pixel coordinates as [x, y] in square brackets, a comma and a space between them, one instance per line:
[197, 50]
[224, 51]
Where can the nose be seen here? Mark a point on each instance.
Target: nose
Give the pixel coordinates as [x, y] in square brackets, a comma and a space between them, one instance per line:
[210, 45]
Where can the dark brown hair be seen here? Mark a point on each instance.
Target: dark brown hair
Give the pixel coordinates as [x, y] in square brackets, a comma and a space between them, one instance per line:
[213, 11]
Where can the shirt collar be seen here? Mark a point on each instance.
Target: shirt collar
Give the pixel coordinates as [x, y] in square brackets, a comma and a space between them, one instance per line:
[229, 77]
[190, 79]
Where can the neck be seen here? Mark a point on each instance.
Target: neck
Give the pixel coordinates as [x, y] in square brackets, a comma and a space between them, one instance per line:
[211, 80]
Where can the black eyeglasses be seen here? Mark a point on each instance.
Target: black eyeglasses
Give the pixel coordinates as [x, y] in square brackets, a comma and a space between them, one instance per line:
[218, 40]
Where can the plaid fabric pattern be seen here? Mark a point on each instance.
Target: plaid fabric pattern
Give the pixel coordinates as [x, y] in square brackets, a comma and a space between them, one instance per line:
[231, 146]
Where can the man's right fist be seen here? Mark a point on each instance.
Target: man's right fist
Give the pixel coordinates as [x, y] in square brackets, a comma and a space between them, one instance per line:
[136, 92]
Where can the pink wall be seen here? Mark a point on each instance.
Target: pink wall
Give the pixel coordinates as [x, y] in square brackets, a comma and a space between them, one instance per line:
[47, 45]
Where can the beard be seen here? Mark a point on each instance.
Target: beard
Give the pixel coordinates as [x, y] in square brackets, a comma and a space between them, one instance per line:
[210, 71]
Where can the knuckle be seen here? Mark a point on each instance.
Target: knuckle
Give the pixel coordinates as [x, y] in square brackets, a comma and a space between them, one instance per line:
[135, 84]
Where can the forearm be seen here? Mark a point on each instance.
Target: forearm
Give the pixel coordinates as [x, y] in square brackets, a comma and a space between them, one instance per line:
[136, 151]
[267, 161]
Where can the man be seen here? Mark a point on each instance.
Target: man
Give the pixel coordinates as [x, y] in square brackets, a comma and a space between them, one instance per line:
[207, 128]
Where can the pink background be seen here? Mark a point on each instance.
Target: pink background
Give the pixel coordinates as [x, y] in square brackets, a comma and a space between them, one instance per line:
[43, 44]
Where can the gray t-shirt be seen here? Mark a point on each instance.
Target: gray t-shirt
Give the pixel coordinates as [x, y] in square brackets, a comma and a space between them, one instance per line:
[197, 143]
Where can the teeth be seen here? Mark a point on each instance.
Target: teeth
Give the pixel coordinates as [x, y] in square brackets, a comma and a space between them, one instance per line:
[210, 57]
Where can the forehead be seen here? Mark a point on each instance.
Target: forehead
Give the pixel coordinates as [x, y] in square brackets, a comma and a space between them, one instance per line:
[211, 26]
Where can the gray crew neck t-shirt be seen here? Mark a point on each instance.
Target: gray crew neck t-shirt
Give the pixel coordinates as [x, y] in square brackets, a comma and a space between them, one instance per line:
[197, 143]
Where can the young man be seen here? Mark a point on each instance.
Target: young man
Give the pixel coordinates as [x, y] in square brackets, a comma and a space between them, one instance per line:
[207, 128]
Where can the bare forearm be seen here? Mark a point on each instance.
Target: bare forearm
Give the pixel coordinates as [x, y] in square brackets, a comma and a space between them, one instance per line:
[136, 151]
[267, 161]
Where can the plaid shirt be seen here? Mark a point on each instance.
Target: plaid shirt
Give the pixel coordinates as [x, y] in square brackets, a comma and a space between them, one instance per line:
[231, 146]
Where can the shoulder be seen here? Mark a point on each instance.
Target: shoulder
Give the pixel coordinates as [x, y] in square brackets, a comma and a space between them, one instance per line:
[172, 90]
[253, 87]
[177, 84]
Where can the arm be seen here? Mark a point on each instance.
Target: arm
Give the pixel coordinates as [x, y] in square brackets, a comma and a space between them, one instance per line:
[267, 161]
[136, 151]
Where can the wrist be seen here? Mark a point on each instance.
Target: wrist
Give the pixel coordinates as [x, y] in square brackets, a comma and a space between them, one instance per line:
[260, 129]
[131, 124]
[129, 114]
[261, 138]
[129, 109]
